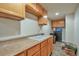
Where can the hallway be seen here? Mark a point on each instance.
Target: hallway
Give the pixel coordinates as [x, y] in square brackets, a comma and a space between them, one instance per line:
[58, 51]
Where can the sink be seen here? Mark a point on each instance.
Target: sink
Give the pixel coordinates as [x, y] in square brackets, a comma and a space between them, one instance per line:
[40, 37]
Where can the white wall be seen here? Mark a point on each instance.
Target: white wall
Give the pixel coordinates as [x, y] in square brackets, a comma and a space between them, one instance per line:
[63, 34]
[9, 27]
[76, 23]
[72, 28]
[46, 28]
[69, 30]
[29, 27]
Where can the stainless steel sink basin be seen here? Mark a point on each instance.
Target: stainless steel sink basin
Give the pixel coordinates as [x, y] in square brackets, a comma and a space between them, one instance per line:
[40, 37]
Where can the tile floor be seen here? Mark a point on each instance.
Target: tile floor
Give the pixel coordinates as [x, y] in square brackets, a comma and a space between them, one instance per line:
[58, 51]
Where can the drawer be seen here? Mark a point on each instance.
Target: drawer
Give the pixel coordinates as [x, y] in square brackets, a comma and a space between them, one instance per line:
[33, 50]
[44, 43]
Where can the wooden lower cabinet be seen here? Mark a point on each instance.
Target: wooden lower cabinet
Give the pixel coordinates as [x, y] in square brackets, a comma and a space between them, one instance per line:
[44, 43]
[50, 45]
[22, 54]
[49, 50]
[33, 50]
[37, 54]
[42, 49]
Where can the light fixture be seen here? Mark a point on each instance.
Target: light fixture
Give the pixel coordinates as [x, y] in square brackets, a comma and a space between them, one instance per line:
[45, 16]
[57, 13]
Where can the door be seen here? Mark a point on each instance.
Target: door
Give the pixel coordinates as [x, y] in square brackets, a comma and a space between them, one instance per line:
[58, 33]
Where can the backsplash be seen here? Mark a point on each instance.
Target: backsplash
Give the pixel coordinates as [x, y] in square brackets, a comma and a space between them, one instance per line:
[9, 27]
[46, 28]
[28, 26]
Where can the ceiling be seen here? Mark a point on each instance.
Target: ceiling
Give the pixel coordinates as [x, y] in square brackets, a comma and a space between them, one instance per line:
[61, 8]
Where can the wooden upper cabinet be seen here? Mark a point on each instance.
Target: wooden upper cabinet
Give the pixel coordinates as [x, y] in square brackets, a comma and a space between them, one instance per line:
[35, 9]
[42, 21]
[58, 23]
[12, 10]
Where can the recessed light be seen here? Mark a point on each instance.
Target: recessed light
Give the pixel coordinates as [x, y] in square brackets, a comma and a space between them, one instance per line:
[45, 16]
[56, 13]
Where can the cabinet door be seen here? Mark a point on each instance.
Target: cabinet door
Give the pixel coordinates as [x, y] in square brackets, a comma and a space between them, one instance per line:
[12, 10]
[50, 45]
[44, 43]
[49, 50]
[58, 23]
[36, 9]
[45, 22]
[42, 21]
[37, 53]
[33, 50]
[44, 51]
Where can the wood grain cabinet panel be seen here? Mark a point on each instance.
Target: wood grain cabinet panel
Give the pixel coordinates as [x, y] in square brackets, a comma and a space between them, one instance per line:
[44, 43]
[58, 23]
[42, 21]
[50, 45]
[50, 40]
[12, 10]
[33, 50]
[44, 51]
[37, 53]
[35, 9]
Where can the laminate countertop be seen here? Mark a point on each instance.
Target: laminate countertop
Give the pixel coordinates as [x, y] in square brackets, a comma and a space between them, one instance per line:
[13, 47]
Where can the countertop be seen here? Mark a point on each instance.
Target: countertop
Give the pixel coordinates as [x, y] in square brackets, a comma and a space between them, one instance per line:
[17, 36]
[13, 47]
